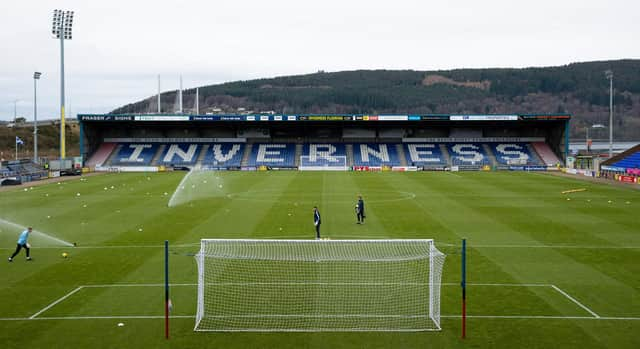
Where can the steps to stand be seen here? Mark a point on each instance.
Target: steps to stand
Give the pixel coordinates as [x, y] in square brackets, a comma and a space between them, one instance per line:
[247, 153]
[298, 154]
[156, 156]
[203, 154]
[490, 155]
[445, 154]
[349, 150]
[536, 157]
[400, 151]
[116, 150]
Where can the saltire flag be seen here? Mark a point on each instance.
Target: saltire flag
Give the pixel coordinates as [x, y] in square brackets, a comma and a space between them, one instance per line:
[18, 140]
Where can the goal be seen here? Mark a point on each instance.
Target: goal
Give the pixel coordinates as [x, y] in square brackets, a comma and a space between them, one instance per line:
[318, 285]
[317, 163]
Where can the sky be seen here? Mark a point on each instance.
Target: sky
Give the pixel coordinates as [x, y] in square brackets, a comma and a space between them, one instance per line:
[120, 47]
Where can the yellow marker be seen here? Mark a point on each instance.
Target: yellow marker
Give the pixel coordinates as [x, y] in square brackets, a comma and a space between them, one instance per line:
[574, 190]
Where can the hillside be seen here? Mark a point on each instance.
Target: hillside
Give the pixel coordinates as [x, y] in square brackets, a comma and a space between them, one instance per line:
[48, 141]
[580, 89]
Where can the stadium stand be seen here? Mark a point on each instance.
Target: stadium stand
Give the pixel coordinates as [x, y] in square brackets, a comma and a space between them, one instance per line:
[468, 154]
[316, 154]
[428, 155]
[6, 172]
[223, 155]
[273, 155]
[370, 154]
[631, 161]
[180, 154]
[133, 142]
[135, 154]
[424, 154]
[513, 153]
[21, 171]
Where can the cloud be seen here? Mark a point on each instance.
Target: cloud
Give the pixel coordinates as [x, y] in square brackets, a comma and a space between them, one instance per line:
[119, 47]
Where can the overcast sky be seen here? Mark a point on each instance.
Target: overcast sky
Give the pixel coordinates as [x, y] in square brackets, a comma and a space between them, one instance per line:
[119, 47]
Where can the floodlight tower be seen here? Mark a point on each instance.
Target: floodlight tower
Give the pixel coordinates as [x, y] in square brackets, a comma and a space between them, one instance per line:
[15, 110]
[36, 77]
[609, 75]
[62, 25]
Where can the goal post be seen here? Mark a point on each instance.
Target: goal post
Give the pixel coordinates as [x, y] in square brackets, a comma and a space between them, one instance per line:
[318, 163]
[318, 285]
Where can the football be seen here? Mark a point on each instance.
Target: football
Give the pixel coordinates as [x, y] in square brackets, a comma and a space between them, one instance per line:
[65, 255]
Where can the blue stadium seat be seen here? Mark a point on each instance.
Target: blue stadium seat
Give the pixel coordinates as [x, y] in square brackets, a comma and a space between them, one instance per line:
[510, 153]
[323, 154]
[369, 154]
[424, 154]
[224, 155]
[180, 154]
[631, 161]
[467, 154]
[135, 154]
[273, 155]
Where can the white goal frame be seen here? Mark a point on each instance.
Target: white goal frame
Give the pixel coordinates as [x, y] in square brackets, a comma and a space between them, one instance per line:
[221, 302]
[325, 167]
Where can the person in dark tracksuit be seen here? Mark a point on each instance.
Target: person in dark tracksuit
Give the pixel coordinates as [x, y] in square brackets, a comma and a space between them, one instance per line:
[316, 221]
[360, 210]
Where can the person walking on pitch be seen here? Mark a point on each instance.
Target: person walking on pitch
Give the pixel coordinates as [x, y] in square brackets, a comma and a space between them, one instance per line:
[22, 243]
[316, 221]
[360, 210]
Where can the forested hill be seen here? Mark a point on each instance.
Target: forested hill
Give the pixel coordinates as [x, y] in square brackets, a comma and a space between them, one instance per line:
[580, 89]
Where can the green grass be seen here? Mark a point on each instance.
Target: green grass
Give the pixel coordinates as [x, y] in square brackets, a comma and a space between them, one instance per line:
[521, 232]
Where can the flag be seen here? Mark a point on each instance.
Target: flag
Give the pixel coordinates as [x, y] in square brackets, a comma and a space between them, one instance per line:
[18, 140]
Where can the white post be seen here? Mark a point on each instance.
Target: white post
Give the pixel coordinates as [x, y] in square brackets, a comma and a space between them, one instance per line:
[159, 105]
[15, 117]
[431, 281]
[197, 112]
[36, 76]
[180, 97]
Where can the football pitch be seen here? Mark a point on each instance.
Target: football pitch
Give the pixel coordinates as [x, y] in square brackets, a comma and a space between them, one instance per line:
[545, 268]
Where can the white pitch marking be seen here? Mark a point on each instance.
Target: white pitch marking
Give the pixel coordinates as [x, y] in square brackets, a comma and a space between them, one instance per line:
[575, 301]
[56, 302]
[544, 317]
[612, 318]
[110, 247]
[113, 317]
[544, 246]
[134, 285]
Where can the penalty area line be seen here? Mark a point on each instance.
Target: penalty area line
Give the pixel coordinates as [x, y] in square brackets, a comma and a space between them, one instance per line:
[107, 247]
[586, 247]
[558, 317]
[575, 301]
[56, 302]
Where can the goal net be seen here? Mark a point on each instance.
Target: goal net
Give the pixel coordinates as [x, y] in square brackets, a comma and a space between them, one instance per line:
[321, 163]
[318, 285]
